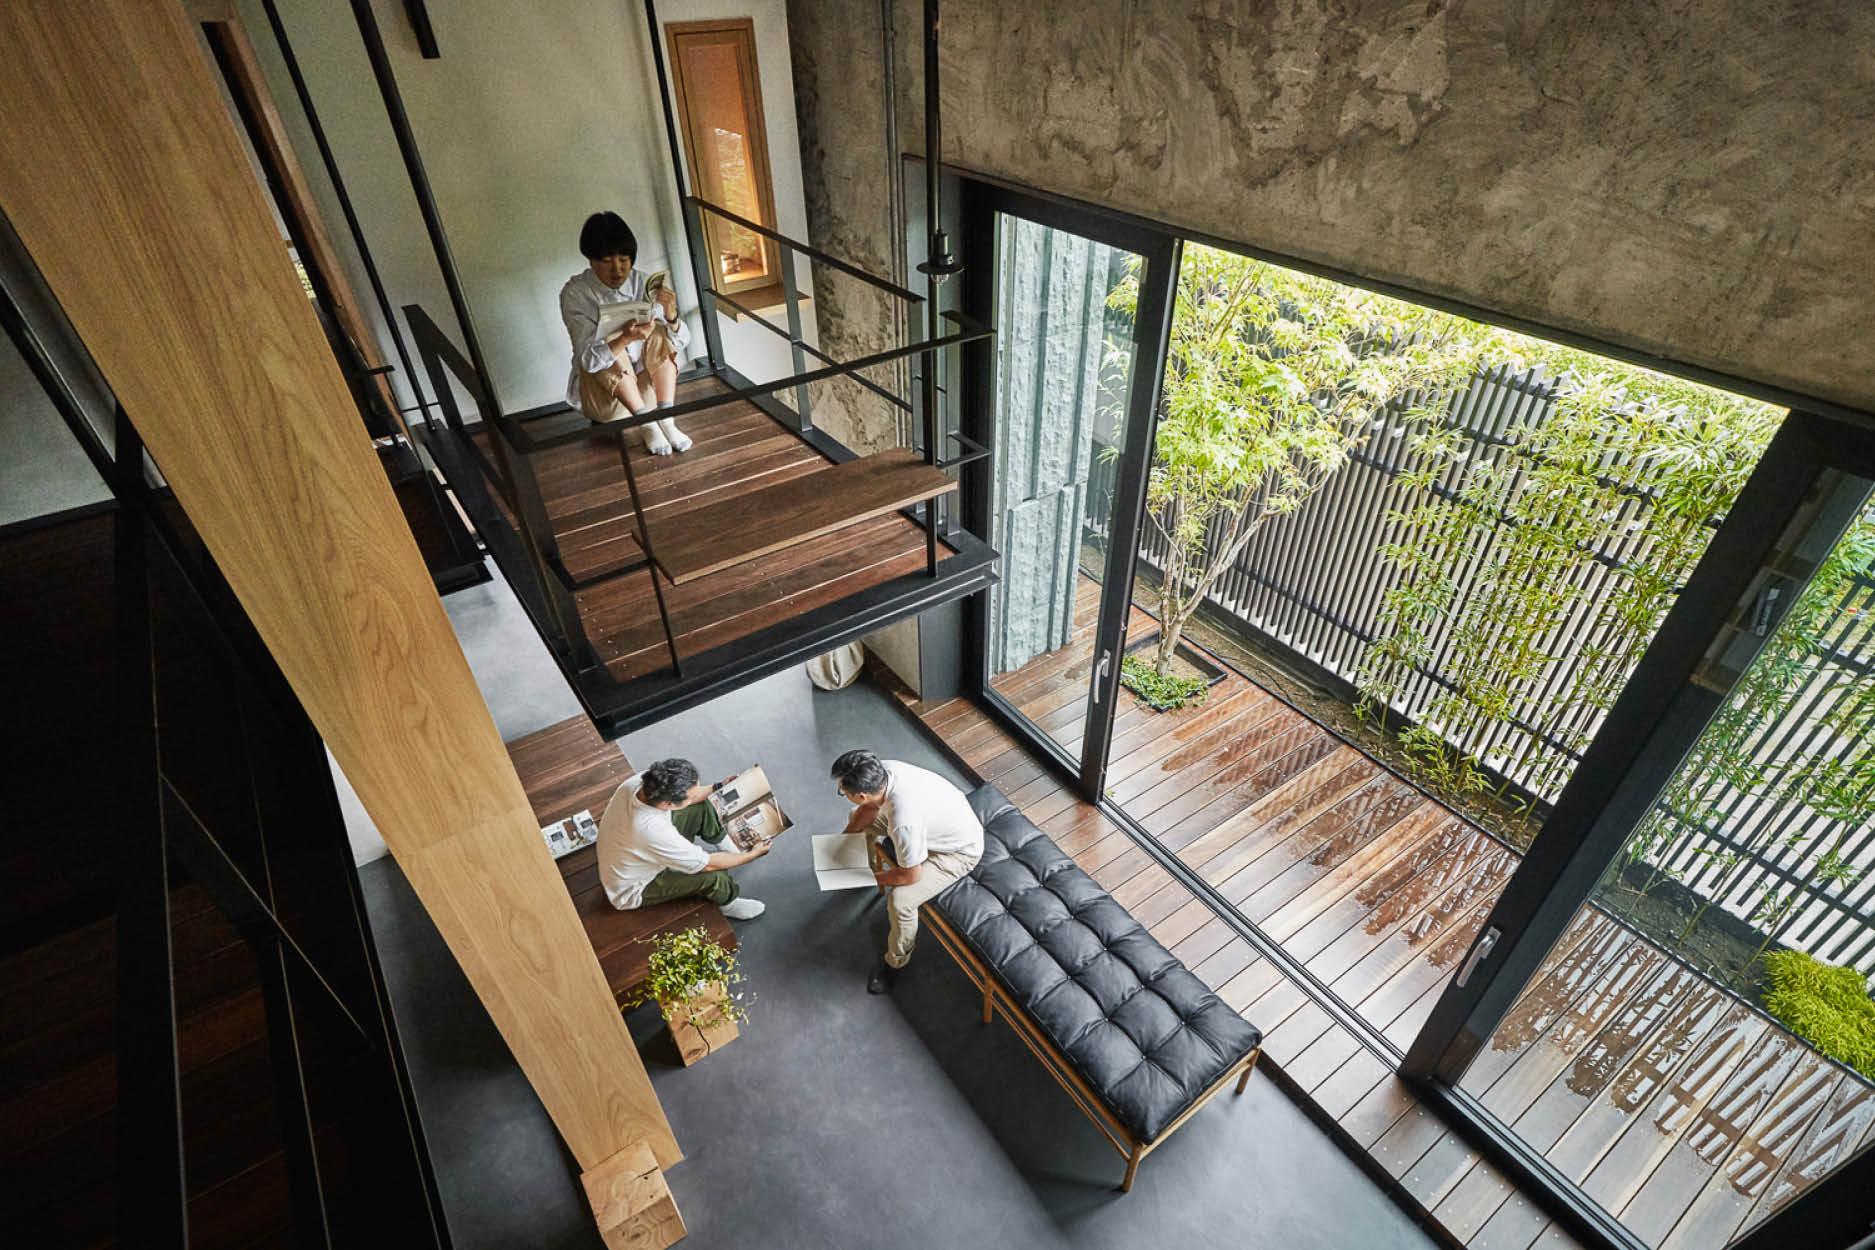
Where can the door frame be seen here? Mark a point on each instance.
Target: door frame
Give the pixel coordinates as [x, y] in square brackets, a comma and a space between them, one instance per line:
[1160, 251]
[1649, 731]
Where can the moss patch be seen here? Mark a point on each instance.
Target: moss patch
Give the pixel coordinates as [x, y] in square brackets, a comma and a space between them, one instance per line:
[1827, 1006]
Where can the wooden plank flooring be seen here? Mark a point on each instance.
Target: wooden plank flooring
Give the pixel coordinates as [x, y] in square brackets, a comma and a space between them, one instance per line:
[1687, 1114]
[737, 450]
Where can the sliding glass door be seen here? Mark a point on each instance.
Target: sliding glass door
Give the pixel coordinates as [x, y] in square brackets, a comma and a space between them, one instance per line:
[1537, 741]
[1080, 312]
[1667, 1014]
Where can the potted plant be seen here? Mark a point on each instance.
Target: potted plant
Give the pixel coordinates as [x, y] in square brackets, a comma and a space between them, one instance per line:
[690, 978]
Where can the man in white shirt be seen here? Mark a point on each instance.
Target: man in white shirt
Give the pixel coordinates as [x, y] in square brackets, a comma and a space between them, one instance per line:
[646, 849]
[926, 836]
[634, 372]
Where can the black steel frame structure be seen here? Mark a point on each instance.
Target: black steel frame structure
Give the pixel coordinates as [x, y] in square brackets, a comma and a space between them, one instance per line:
[281, 873]
[1649, 731]
[957, 562]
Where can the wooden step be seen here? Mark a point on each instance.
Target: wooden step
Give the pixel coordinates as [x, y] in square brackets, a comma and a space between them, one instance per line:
[715, 537]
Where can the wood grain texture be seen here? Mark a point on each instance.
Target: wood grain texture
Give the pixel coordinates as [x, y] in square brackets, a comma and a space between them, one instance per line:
[714, 537]
[121, 171]
[631, 1202]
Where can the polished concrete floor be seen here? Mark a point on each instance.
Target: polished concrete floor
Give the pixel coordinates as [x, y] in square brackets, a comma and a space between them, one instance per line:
[839, 1119]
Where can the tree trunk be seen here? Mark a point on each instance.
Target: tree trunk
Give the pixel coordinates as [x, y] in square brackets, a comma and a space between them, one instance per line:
[1171, 629]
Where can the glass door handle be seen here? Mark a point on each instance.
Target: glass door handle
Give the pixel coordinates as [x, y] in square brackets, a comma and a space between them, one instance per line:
[1479, 954]
[1100, 673]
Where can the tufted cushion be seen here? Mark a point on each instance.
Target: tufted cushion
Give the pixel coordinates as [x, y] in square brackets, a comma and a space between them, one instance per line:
[1136, 1025]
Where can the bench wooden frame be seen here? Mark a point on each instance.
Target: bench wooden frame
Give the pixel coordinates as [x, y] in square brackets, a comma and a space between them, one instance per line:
[1129, 1147]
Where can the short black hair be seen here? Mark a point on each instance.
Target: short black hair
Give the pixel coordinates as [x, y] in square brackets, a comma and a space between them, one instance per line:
[859, 772]
[606, 234]
[667, 781]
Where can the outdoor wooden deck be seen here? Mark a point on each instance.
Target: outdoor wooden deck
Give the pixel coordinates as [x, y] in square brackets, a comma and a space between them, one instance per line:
[1684, 1112]
[737, 450]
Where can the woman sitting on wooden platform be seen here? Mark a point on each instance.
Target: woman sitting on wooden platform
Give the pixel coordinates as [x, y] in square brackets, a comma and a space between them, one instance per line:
[634, 371]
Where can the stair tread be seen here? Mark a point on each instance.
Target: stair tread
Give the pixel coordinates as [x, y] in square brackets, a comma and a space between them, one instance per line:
[715, 537]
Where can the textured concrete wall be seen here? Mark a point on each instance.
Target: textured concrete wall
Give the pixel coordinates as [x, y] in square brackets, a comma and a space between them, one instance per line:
[839, 92]
[1694, 178]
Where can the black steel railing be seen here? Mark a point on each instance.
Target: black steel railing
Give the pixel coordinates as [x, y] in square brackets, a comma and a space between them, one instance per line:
[502, 455]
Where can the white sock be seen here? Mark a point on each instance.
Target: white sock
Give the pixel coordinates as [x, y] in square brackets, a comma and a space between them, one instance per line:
[679, 439]
[655, 442]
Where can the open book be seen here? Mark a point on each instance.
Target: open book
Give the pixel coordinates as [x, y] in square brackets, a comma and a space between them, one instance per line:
[840, 861]
[750, 812]
[631, 312]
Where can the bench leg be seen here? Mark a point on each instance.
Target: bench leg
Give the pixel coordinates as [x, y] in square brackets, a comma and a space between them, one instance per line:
[1132, 1168]
[1250, 1064]
[989, 1007]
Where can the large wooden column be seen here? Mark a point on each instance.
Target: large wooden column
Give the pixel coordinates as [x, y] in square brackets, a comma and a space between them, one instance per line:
[120, 170]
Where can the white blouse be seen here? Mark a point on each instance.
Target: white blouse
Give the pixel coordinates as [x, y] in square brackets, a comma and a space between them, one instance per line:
[580, 301]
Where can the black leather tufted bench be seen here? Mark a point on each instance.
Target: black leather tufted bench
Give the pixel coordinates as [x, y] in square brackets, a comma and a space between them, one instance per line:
[1137, 1040]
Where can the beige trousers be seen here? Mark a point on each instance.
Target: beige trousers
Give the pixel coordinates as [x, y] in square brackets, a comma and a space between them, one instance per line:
[598, 399]
[902, 902]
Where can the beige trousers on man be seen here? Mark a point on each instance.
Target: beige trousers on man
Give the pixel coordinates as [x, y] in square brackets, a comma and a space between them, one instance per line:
[902, 902]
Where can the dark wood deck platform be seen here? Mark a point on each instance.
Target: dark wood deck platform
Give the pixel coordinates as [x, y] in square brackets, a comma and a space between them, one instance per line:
[827, 565]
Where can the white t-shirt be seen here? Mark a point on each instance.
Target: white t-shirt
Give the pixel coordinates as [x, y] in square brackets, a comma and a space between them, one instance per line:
[926, 814]
[636, 843]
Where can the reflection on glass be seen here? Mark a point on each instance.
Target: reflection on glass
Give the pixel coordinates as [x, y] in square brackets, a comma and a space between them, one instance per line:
[1417, 559]
[1064, 366]
[719, 100]
[1697, 1049]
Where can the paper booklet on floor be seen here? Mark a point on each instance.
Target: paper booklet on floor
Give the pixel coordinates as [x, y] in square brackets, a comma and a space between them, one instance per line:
[569, 835]
[840, 861]
[750, 812]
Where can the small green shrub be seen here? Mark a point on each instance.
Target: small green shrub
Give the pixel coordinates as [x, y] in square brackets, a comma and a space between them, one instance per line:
[1827, 1006]
[1164, 691]
[683, 966]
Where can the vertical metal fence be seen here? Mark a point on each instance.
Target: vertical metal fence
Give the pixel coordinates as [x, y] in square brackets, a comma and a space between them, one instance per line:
[1314, 585]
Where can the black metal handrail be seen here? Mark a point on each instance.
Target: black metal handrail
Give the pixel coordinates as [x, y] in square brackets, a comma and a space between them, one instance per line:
[805, 249]
[969, 331]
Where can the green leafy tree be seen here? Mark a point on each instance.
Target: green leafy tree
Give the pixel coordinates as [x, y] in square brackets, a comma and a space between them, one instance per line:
[1273, 378]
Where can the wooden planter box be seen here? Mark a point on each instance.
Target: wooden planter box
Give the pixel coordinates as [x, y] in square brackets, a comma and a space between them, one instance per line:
[701, 1025]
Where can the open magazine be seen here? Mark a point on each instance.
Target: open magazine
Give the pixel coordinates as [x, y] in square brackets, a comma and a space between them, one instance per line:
[750, 812]
[569, 835]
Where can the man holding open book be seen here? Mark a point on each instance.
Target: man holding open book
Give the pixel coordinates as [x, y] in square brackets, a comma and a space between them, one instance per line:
[924, 834]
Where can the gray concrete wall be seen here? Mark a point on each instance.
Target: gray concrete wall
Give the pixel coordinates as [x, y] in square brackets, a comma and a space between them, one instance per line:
[1694, 178]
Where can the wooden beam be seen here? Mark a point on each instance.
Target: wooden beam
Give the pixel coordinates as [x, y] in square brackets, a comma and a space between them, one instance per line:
[121, 172]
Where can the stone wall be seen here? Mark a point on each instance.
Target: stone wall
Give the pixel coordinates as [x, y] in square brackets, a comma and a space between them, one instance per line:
[1692, 178]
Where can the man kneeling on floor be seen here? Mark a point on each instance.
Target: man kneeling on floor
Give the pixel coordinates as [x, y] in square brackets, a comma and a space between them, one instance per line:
[926, 837]
[646, 849]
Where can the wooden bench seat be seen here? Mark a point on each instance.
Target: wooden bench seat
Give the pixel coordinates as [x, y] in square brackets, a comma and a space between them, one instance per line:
[718, 536]
[567, 768]
[622, 939]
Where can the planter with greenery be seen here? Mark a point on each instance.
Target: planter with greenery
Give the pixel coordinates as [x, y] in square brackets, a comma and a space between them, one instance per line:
[690, 979]
[1162, 692]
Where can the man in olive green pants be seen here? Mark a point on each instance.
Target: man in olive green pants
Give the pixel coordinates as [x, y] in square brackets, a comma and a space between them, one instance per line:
[648, 850]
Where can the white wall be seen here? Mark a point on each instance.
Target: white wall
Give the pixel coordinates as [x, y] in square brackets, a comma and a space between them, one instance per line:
[531, 119]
